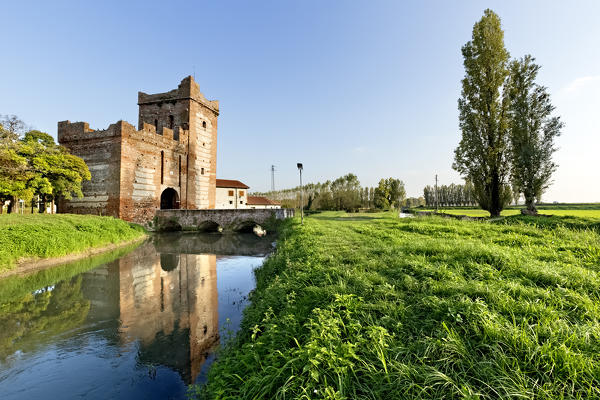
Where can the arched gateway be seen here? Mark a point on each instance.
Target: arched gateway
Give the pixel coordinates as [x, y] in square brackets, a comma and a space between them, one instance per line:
[169, 199]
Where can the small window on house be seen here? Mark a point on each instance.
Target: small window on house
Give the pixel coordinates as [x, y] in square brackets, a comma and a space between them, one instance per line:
[204, 124]
[241, 193]
[202, 171]
[241, 202]
[231, 192]
[171, 122]
[230, 201]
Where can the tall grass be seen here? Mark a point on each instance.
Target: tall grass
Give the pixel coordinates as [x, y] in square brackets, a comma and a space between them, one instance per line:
[374, 307]
[41, 235]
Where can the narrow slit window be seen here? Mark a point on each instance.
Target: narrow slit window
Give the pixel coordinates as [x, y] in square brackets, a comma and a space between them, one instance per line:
[171, 122]
[202, 170]
[156, 125]
[204, 124]
[179, 170]
[162, 167]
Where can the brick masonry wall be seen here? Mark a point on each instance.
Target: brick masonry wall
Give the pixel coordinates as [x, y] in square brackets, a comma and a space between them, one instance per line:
[101, 151]
[141, 183]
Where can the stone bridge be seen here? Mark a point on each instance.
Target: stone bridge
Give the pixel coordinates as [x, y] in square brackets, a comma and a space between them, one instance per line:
[235, 220]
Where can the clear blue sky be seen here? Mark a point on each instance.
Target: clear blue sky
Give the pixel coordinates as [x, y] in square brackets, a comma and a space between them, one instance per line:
[368, 87]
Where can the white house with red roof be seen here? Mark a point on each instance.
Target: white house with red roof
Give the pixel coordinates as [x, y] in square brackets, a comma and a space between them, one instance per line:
[231, 194]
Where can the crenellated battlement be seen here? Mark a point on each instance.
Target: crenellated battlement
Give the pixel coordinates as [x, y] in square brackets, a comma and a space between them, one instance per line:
[72, 131]
[187, 89]
[77, 131]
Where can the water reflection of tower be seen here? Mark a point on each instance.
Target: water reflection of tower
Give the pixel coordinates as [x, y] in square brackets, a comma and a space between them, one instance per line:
[169, 303]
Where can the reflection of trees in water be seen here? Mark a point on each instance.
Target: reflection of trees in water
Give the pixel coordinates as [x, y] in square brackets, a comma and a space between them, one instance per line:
[25, 321]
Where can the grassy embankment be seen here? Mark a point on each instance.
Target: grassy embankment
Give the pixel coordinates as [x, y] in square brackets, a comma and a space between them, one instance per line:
[374, 307]
[45, 236]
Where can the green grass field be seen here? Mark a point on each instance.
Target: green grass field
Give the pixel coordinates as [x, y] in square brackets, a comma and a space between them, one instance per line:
[42, 235]
[369, 306]
[477, 212]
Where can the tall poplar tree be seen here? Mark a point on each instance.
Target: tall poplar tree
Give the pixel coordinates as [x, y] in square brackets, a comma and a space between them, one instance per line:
[532, 131]
[483, 155]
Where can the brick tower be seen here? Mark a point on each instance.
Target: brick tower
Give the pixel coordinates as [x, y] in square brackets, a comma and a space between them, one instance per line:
[186, 109]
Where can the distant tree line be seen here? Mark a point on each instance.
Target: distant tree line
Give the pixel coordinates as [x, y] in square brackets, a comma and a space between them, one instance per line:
[508, 130]
[344, 193]
[450, 195]
[33, 165]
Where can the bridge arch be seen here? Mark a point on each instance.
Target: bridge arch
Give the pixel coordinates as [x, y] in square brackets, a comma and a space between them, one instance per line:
[209, 226]
[245, 226]
[169, 199]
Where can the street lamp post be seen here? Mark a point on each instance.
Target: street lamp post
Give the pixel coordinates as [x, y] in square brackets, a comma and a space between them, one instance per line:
[299, 165]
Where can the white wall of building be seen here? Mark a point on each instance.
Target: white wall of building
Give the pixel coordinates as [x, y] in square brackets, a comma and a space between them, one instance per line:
[227, 198]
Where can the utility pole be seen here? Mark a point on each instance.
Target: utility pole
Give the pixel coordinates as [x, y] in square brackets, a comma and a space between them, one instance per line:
[299, 165]
[272, 178]
[436, 195]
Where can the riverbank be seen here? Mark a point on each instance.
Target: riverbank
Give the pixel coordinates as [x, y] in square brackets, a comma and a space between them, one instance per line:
[372, 306]
[30, 241]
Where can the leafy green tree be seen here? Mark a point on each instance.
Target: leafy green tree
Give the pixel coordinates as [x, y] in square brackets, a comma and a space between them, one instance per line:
[14, 172]
[57, 173]
[483, 154]
[382, 195]
[35, 164]
[533, 132]
[389, 193]
[346, 192]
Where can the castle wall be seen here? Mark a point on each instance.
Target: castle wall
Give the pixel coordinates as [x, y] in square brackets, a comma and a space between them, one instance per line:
[101, 151]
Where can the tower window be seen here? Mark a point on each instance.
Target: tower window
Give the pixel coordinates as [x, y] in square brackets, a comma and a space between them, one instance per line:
[204, 124]
[171, 122]
[202, 171]
[156, 125]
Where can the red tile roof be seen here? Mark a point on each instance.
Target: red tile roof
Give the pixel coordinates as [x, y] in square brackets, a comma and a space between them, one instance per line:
[230, 183]
[261, 201]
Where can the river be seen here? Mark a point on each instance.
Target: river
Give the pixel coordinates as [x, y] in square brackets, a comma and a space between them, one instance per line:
[135, 323]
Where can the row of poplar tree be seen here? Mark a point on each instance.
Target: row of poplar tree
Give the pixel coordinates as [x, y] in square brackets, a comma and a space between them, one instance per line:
[507, 123]
[450, 195]
[344, 193]
[33, 166]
